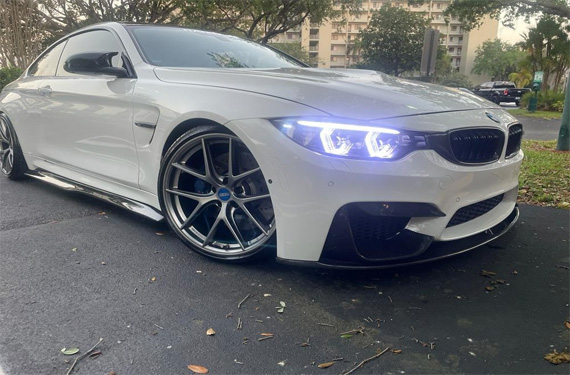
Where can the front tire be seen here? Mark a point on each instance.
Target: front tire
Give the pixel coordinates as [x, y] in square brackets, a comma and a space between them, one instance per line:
[12, 162]
[214, 196]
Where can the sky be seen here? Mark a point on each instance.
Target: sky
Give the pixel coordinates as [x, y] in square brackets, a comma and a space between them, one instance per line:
[513, 35]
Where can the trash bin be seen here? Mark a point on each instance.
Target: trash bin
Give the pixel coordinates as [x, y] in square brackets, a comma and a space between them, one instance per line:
[532, 104]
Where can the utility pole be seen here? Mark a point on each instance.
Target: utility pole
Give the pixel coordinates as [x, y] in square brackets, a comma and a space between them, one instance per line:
[563, 143]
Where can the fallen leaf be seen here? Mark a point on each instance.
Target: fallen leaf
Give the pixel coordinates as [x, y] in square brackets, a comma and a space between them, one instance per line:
[266, 334]
[346, 336]
[490, 288]
[325, 365]
[557, 358]
[397, 351]
[280, 311]
[74, 249]
[210, 332]
[282, 303]
[153, 279]
[515, 272]
[103, 263]
[267, 295]
[567, 324]
[70, 351]
[159, 234]
[487, 273]
[95, 354]
[282, 363]
[198, 369]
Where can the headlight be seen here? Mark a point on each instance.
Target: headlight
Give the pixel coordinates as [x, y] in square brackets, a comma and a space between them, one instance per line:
[351, 140]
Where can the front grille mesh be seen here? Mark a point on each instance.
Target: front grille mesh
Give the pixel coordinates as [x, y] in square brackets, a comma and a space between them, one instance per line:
[474, 146]
[474, 210]
[515, 138]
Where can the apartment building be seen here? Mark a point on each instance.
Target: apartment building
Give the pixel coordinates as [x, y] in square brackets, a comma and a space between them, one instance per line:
[331, 45]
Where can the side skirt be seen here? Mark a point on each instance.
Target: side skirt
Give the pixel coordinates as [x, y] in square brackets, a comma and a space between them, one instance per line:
[117, 200]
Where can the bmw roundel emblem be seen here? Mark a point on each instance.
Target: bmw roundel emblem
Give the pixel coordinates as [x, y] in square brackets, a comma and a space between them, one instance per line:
[492, 117]
[224, 194]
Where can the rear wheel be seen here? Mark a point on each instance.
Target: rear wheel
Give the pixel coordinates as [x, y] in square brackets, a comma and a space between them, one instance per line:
[214, 195]
[496, 99]
[12, 161]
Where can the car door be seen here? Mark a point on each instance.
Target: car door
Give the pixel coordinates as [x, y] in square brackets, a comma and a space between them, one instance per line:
[88, 128]
[26, 102]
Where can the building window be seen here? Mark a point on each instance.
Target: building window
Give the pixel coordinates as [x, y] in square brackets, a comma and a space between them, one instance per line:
[289, 36]
[460, 39]
[453, 28]
[451, 50]
[334, 37]
[376, 5]
[438, 5]
[451, 39]
[459, 51]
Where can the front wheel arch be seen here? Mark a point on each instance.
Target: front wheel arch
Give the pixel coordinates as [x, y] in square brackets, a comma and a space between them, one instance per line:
[183, 128]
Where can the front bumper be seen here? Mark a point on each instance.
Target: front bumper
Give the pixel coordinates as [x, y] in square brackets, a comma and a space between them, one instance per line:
[309, 189]
[437, 250]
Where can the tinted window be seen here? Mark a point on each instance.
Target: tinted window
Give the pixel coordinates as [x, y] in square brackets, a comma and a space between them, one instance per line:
[47, 64]
[178, 47]
[505, 85]
[91, 41]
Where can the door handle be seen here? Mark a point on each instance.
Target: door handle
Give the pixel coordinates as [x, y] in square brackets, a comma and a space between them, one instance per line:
[46, 90]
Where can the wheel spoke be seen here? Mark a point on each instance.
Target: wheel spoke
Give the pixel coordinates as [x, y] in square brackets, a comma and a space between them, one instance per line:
[209, 162]
[4, 133]
[253, 219]
[196, 212]
[194, 196]
[252, 199]
[5, 155]
[230, 159]
[246, 174]
[191, 172]
[232, 226]
[212, 231]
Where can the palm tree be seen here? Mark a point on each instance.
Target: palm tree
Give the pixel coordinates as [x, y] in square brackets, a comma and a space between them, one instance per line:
[521, 78]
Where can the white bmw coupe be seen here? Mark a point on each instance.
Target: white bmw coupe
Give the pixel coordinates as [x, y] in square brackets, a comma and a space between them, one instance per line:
[244, 149]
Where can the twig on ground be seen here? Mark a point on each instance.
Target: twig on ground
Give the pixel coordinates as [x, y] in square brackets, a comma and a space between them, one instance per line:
[265, 338]
[82, 356]
[325, 325]
[358, 330]
[239, 324]
[156, 325]
[366, 361]
[243, 300]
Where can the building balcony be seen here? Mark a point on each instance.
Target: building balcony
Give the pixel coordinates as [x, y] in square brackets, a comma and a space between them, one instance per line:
[338, 53]
[313, 48]
[314, 36]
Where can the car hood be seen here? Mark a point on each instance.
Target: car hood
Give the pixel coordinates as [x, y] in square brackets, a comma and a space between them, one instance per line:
[350, 93]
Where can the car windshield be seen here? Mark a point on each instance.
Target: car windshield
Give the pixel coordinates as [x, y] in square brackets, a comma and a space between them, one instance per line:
[187, 48]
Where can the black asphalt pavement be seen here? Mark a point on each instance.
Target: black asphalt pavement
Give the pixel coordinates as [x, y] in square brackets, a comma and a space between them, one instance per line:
[539, 128]
[74, 270]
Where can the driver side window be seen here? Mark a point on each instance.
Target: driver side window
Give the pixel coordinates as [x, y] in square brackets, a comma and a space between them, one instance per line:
[92, 41]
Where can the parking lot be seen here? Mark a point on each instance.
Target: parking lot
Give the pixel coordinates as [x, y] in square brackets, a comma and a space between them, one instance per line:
[74, 270]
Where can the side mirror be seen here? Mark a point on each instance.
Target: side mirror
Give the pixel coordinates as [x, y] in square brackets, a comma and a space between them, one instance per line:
[94, 63]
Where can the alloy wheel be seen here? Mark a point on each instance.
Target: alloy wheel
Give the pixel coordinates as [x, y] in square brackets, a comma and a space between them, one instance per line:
[6, 147]
[216, 197]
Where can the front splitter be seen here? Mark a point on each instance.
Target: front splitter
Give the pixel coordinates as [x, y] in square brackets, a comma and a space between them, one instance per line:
[437, 250]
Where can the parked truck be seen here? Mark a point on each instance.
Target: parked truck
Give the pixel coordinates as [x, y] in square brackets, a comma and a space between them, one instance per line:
[500, 91]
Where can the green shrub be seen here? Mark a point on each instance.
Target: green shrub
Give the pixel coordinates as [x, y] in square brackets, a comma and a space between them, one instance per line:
[8, 75]
[558, 106]
[547, 100]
